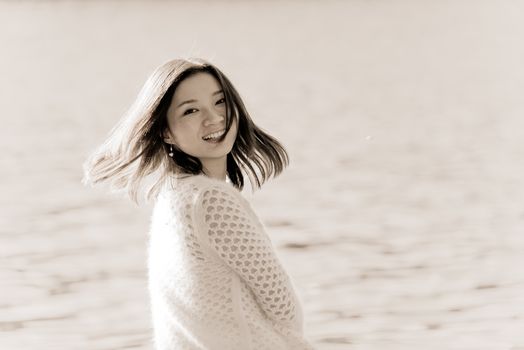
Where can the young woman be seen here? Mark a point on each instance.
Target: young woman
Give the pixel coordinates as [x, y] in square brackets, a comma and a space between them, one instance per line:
[215, 281]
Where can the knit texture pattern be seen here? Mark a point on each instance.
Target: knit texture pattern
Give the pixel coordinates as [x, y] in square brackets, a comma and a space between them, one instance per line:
[215, 281]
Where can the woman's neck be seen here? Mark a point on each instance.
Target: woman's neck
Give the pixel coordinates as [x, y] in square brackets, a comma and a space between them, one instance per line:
[215, 168]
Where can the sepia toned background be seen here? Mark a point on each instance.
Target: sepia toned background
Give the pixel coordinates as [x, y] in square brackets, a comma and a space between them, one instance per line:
[400, 218]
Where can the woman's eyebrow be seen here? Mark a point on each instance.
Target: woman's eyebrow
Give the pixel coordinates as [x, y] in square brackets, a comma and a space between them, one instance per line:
[191, 101]
[185, 102]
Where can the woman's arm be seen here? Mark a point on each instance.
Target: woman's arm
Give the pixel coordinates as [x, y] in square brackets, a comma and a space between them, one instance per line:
[235, 234]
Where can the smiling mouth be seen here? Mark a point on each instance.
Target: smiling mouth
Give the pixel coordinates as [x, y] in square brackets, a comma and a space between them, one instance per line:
[214, 136]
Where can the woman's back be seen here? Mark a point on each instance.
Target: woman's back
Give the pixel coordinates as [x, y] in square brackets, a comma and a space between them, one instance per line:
[215, 281]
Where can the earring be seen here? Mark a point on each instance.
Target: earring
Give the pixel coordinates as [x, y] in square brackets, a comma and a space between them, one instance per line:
[171, 154]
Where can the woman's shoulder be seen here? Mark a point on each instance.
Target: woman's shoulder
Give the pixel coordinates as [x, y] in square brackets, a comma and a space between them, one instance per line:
[191, 188]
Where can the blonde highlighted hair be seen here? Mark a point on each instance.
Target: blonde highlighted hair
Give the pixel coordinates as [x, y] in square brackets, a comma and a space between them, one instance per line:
[135, 148]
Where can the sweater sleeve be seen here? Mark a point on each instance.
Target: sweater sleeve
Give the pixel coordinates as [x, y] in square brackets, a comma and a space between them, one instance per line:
[235, 234]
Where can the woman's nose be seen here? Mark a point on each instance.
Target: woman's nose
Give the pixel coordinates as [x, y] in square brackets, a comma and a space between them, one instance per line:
[213, 117]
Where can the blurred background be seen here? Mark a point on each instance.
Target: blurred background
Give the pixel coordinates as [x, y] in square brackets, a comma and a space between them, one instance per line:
[400, 218]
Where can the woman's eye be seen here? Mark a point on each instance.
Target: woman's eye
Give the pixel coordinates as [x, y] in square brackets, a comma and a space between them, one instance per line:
[189, 111]
[222, 100]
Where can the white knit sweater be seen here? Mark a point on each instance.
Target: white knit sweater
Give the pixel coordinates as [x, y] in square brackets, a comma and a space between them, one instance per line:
[214, 280]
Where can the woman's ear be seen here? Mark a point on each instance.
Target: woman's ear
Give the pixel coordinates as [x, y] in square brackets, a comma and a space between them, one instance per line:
[167, 137]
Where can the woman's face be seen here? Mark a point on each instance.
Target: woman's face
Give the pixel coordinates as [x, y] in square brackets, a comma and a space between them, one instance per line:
[196, 118]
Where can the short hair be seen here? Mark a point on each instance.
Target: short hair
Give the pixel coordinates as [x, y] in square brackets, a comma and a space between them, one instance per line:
[135, 147]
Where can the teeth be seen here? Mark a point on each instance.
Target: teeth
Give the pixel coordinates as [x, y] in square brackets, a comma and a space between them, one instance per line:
[214, 135]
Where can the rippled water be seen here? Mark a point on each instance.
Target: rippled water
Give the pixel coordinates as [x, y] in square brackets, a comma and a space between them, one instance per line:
[400, 218]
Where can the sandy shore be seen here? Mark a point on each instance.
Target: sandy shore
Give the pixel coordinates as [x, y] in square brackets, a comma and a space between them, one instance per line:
[400, 219]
